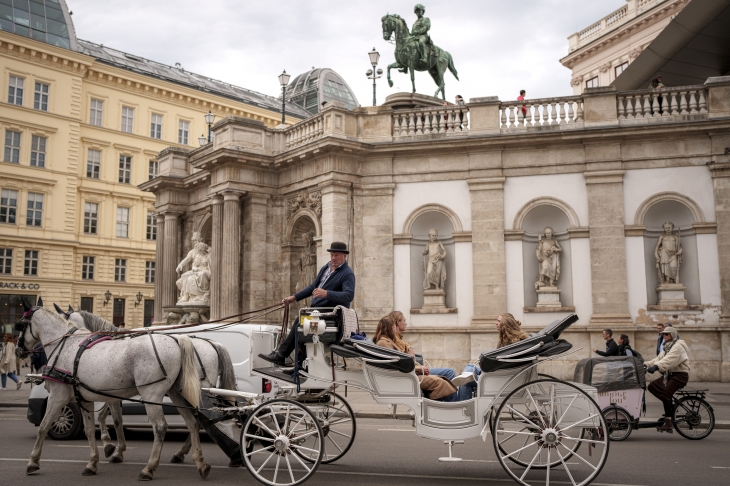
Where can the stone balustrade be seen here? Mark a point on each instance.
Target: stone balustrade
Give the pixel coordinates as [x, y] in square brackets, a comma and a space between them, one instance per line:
[305, 132]
[565, 112]
[663, 105]
[428, 121]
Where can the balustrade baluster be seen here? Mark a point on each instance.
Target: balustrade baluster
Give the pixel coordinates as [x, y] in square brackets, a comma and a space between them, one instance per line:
[665, 104]
[579, 111]
[703, 102]
[548, 113]
[561, 113]
[647, 106]
[442, 121]
[683, 103]
[671, 103]
[693, 102]
[503, 117]
[508, 114]
[571, 114]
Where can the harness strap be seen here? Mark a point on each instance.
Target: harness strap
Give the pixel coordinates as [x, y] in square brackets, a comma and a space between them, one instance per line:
[200, 362]
[157, 355]
[284, 322]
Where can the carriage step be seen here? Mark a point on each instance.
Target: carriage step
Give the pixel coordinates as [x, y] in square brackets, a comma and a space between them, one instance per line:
[451, 458]
[279, 374]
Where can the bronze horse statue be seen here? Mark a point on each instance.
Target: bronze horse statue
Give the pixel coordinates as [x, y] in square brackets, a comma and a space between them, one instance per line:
[407, 57]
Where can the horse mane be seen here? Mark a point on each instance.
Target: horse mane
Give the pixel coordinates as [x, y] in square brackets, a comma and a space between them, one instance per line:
[59, 319]
[95, 323]
[398, 17]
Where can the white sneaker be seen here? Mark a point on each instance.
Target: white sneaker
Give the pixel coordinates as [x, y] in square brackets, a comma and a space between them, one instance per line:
[3, 389]
[20, 383]
[463, 379]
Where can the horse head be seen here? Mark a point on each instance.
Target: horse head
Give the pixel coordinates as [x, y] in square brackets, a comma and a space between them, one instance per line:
[391, 22]
[23, 325]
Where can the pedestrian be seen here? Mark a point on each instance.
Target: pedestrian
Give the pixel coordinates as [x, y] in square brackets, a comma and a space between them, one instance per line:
[460, 100]
[521, 97]
[673, 363]
[611, 346]
[38, 358]
[656, 84]
[624, 348]
[660, 339]
[122, 325]
[7, 362]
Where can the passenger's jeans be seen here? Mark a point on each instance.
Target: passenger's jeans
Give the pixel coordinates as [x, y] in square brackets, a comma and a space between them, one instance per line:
[447, 373]
[5, 380]
[470, 389]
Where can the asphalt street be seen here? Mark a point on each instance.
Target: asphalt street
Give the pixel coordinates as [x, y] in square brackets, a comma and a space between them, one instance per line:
[385, 451]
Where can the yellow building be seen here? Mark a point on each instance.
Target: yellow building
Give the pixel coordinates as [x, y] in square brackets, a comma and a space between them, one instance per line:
[81, 125]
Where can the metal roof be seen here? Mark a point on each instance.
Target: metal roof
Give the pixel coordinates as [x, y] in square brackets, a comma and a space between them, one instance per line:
[178, 75]
[309, 90]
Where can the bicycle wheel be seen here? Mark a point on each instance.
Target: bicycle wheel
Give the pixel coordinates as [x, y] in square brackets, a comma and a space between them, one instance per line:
[338, 426]
[693, 418]
[619, 423]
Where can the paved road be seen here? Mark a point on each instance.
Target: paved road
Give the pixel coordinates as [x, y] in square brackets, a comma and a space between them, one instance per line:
[385, 451]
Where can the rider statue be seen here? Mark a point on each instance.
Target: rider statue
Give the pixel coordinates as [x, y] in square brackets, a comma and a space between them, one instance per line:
[420, 32]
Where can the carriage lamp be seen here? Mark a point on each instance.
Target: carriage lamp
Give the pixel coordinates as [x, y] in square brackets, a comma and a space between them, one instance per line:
[283, 81]
[107, 296]
[310, 324]
[139, 298]
[372, 73]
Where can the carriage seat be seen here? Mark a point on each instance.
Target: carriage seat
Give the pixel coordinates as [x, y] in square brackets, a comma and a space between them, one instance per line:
[544, 343]
[336, 324]
[390, 358]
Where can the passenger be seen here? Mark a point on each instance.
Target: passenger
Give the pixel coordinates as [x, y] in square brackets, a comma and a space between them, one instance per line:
[400, 328]
[438, 387]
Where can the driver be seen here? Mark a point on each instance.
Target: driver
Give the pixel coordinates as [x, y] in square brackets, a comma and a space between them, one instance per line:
[673, 361]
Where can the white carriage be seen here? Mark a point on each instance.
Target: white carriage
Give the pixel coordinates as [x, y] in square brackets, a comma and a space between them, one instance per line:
[537, 424]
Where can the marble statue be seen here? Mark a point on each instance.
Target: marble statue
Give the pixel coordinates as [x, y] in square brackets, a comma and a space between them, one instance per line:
[307, 262]
[548, 254]
[194, 284]
[668, 255]
[434, 267]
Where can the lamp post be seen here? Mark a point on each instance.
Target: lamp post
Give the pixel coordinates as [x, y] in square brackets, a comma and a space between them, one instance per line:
[372, 73]
[209, 119]
[107, 296]
[283, 81]
[139, 298]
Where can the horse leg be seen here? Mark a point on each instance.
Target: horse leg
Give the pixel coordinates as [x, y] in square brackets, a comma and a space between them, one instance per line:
[90, 431]
[117, 453]
[58, 397]
[106, 440]
[413, 78]
[390, 66]
[180, 455]
[193, 428]
[159, 428]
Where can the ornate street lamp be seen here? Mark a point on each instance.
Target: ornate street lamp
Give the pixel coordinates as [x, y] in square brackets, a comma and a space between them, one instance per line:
[209, 119]
[372, 73]
[283, 81]
[107, 296]
[139, 298]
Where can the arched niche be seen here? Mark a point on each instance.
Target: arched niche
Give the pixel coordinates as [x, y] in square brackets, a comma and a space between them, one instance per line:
[688, 203]
[205, 228]
[442, 220]
[302, 258]
[535, 216]
[312, 221]
[453, 218]
[683, 213]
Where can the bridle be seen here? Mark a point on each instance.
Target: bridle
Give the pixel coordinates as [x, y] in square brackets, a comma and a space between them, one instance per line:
[26, 323]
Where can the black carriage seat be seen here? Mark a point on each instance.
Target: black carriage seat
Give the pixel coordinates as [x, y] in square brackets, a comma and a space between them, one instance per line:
[544, 343]
[390, 358]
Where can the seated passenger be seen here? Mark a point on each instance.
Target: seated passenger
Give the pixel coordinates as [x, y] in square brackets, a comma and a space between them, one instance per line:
[400, 328]
[509, 333]
[438, 387]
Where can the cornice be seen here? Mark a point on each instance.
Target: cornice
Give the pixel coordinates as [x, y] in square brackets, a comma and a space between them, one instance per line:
[13, 45]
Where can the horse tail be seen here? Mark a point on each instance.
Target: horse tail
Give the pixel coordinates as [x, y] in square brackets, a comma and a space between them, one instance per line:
[225, 368]
[452, 68]
[189, 375]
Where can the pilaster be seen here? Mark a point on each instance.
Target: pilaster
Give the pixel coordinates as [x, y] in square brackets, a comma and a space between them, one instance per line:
[253, 288]
[336, 216]
[159, 268]
[721, 184]
[170, 256]
[231, 255]
[215, 257]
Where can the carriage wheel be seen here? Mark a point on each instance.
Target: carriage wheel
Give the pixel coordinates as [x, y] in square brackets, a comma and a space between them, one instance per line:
[693, 418]
[619, 423]
[338, 426]
[548, 419]
[273, 439]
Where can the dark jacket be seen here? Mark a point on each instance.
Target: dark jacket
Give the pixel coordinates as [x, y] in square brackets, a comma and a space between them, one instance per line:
[340, 287]
[611, 349]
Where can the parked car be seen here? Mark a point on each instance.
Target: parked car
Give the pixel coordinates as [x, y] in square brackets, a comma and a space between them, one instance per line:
[244, 342]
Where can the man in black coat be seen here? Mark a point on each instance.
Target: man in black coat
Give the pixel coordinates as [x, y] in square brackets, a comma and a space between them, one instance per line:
[333, 286]
[611, 346]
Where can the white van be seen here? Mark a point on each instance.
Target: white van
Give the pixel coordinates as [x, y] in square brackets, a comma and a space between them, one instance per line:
[244, 342]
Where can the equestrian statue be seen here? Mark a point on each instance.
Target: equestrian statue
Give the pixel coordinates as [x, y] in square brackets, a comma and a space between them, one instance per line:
[414, 50]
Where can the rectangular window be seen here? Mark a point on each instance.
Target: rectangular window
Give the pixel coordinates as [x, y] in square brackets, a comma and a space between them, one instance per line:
[122, 222]
[40, 100]
[6, 261]
[93, 163]
[592, 83]
[15, 90]
[35, 209]
[87, 304]
[96, 109]
[38, 151]
[183, 130]
[91, 218]
[621, 68]
[30, 266]
[127, 119]
[151, 226]
[154, 166]
[149, 272]
[149, 312]
[125, 169]
[12, 146]
[156, 126]
[118, 312]
[87, 267]
[8, 206]
[120, 270]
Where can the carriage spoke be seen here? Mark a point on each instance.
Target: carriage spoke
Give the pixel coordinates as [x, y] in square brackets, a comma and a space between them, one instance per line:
[579, 439]
[537, 409]
[286, 419]
[547, 475]
[276, 468]
[339, 433]
[565, 466]
[525, 443]
[516, 433]
[288, 465]
[595, 468]
[560, 420]
[306, 434]
[265, 462]
[260, 450]
[335, 443]
[528, 420]
[293, 429]
[552, 405]
[581, 421]
[519, 450]
[343, 421]
[529, 466]
[303, 465]
[302, 448]
[273, 434]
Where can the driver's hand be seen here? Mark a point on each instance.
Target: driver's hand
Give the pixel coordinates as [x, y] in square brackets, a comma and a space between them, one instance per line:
[288, 300]
[319, 293]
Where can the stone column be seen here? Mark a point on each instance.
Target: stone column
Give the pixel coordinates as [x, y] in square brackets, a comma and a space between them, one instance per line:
[216, 247]
[608, 248]
[335, 217]
[487, 219]
[721, 183]
[170, 256]
[231, 255]
[254, 252]
[159, 268]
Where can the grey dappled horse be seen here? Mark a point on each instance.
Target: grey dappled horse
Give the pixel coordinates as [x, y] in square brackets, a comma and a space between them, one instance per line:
[124, 367]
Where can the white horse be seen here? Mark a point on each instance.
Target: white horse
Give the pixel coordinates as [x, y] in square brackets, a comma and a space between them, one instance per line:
[150, 365]
[213, 363]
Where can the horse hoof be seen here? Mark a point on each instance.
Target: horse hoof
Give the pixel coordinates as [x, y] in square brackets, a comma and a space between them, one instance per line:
[116, 459]
[32, 469]
[177, 459]
[88, 472]
[144, 477]
[109, 450]
[235, 463]
[204, 470]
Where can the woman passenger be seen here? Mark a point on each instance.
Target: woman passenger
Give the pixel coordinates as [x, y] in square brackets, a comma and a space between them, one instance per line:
[400, 328]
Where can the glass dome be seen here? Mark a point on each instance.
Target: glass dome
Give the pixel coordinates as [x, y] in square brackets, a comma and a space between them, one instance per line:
[320, 85]
[44, 20]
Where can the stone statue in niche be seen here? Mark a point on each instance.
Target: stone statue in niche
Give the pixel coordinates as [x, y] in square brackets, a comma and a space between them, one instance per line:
[434, 270]
[307, 262]
[548, 254]
[668, 256]
[194, 284]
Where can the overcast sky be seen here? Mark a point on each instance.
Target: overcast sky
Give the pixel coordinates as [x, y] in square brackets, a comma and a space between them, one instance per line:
[498, 46]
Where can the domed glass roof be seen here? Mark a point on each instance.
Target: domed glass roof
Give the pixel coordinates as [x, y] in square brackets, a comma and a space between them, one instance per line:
[44, 20]
[311, 89]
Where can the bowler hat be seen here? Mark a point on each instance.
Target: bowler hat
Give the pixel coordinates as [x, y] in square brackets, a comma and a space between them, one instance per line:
[338, 246]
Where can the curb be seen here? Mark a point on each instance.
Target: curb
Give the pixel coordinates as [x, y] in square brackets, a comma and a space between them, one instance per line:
[13, 405]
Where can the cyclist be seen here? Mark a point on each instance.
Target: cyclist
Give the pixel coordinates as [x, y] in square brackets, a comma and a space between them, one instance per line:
[673, 361]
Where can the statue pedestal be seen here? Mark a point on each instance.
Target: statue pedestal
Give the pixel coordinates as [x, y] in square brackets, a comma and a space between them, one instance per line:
[671, 294]
[548, 297]
[187, 313]
[434, 299]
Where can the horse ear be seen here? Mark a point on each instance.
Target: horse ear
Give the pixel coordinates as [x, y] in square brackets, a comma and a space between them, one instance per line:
[26, 306]
[58, 309]
[40, 302]
[70, 309]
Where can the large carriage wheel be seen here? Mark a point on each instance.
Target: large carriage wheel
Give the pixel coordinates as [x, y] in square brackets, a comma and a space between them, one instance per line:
[338, 426]
[693, 418]
[274, 436]
[541, 425]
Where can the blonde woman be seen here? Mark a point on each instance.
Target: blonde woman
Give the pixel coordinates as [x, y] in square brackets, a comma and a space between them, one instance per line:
[7, 362]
